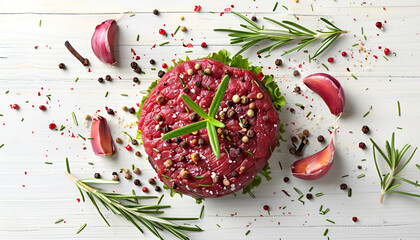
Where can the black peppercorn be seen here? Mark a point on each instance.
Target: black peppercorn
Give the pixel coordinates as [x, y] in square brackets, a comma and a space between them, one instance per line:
[229, 103]
[186, 89]
[108, 77]
[254, 18]
[137, 70]
[152, 61]
[137, 182]
[156, 12]
[294, 139]
[198, 83]
[286, 179]
[110, 111]
[157, 189]
[138, 154]
[365, 129]
[309, 196]
[359, 166]
[100, 80]
[151, 181]
[114, 173]
[61, 66]
[200, 141]
[161, 73]
[193, 117]
[278, 62]
[168, 140]
[320, 138]
[178, 140]
[343, 186]
[132, 110]
[134, 142]
[133, 65]
[234, 174]
[362, 145]
[184, 144]
[297, 90]
[136, 79]
[97, 175]
[166, 129]
[295, 73]
[182, 158]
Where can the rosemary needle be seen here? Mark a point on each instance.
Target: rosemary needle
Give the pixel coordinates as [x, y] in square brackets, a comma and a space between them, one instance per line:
[81, 228]
[253, 34]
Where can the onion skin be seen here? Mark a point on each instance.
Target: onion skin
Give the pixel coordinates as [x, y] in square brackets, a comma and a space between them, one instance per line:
[329, 89]
[314, 166]
[102, 143]
[103, 41]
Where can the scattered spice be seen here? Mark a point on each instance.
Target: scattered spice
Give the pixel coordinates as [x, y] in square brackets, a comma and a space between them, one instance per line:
[81, 228]
[79, 57]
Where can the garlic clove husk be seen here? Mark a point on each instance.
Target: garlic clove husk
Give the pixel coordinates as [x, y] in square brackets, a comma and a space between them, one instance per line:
[315, 166]
[103, 41]
[329, 89]
[102, 143]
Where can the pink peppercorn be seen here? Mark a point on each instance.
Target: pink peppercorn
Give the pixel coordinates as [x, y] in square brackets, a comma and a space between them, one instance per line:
[128, 147]
[330, 60]
[52, 126]
[378, 25]
[42, 107]
[145, 189]
[164, 65]
[343, 54]
[15, 106]
[266, 207]
[386, 51]
[203, 45]
[162, 31]
[354, 219]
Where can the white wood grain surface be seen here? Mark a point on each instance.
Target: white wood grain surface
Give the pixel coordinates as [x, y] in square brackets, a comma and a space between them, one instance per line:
[34, 195]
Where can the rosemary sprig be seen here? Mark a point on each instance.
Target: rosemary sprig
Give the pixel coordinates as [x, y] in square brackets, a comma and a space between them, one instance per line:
[208, 121]
[393, 159]
[133, 212]
[293, 31]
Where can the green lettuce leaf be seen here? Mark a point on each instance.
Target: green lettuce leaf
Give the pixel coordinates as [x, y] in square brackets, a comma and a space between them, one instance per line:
[265, 172]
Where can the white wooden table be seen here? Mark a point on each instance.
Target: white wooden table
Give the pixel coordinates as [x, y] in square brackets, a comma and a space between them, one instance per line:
[33, 195]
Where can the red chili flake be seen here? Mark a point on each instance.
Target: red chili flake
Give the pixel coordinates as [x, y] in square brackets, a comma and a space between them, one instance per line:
[376, 57]
[52, 126]
[378, 25]
[197, 8]
[137, 57]
[203, 44]
[164, 65]
[78, 200]
[145, 189]
[330, 60]
[343, 54]
[42, 107]
[227, 9]
[36, 47]
[354, 219]
[162, 31]
[386, 51]
[128, 147]
[266, 207]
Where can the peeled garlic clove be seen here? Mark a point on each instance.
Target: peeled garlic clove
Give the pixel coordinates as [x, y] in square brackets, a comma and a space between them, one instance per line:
[102, 143]
[329, 89]
[316, 165]
[103, 41]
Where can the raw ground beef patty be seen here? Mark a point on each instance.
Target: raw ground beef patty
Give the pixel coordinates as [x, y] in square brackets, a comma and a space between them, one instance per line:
[187, 163]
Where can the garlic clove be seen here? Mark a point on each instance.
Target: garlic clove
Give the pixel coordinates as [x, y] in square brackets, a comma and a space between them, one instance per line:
[314, 166]
[103, 41]
[329, 89]
[102, 143]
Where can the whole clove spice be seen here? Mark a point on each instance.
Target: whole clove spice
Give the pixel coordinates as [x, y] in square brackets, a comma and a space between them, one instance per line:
[79, 57]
